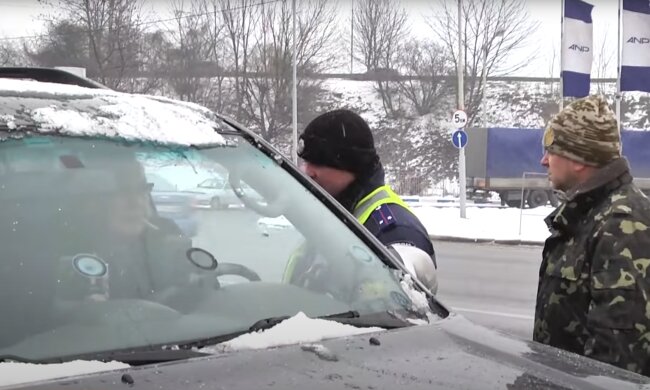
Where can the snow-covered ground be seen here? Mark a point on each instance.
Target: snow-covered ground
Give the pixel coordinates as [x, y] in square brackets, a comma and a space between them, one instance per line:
[486, 223]
[441, 218]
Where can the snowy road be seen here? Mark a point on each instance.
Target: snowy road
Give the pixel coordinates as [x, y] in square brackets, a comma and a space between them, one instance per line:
[492, 285]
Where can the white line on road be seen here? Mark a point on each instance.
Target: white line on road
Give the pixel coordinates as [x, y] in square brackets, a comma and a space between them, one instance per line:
[494, 313]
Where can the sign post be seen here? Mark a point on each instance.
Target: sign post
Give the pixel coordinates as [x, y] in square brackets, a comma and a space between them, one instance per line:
[459, 139]
[460, 118]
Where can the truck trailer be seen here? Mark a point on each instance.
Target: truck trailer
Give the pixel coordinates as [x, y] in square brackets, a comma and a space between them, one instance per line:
[507, 161]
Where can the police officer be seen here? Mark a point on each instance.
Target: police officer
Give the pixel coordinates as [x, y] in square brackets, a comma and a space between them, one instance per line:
[338, 152]
[593, 296]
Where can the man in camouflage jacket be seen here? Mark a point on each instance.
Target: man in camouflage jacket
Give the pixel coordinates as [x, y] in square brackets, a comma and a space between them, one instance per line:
[593, 295]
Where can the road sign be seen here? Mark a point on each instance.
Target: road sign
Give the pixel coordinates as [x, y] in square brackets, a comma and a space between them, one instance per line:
[459, 139]
[459, 119]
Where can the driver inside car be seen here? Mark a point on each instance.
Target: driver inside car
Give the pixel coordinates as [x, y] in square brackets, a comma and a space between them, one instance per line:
[121, 238]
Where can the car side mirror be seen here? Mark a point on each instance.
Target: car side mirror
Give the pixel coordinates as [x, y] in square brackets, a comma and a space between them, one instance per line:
[418, 263]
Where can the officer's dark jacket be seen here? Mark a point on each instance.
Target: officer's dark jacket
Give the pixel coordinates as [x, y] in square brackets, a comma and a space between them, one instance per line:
[593, 296]
[390, 223]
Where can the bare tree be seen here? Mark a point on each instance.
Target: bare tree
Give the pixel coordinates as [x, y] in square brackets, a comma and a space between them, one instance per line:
[380, 26]
[430, 64]
[196, 35]
[240, 18]
[65, 44]
[267, 97]
[12, 54]
[603, 61]
[492, 32]
[552, 67]
[431, 157]
[111, 32]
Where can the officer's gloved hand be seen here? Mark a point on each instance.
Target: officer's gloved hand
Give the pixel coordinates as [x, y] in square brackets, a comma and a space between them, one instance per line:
[419, 264]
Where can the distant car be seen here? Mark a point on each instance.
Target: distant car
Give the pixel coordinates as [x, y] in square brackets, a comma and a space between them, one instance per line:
[217, 194]
[174, 204]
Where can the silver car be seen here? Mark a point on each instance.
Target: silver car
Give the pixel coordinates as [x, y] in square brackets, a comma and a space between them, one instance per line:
[216, 193]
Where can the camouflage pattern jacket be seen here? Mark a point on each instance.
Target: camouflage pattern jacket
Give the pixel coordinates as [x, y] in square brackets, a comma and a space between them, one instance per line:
[594, 286]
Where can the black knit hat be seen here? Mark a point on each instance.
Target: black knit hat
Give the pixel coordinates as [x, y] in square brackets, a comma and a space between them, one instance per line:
[340, 139]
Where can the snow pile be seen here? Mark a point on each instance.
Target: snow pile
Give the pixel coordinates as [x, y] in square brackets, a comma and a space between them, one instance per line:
[298, 329]
[36, 87]
[419, 299]
[119, 115]
[486, 223]
[16, 373]
[360, 96]
[9, 121]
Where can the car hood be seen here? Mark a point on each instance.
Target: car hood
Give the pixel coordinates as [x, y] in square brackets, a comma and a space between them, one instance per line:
[450, 354]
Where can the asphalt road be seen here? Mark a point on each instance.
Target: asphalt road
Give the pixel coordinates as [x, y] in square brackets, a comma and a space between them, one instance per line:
[492, 285]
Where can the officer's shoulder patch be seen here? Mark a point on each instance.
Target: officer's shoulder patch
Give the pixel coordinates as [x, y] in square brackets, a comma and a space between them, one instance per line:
[383, 216]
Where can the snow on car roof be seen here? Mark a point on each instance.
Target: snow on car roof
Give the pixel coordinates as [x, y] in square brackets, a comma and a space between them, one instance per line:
[107, 113]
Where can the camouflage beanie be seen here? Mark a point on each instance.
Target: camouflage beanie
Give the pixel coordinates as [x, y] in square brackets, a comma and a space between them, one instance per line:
[585, 131]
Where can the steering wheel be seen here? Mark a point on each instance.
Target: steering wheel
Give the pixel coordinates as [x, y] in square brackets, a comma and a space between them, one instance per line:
[238, 270]
[272, 208]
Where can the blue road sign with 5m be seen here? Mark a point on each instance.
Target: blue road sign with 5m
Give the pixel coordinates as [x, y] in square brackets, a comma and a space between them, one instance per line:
[459, 138]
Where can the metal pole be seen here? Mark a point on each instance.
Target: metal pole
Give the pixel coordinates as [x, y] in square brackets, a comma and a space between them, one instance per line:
[294, 149]
[521, 203]
[484, 83]
[352, 40]
[562, 59]
[619, 94]
[461, 106]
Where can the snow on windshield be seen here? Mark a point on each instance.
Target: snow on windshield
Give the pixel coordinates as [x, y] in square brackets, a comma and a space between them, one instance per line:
[16, 373]
[298, 329]
[119, 115]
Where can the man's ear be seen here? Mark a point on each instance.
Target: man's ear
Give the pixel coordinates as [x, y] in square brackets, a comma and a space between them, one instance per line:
[578, 167]
[582, 170]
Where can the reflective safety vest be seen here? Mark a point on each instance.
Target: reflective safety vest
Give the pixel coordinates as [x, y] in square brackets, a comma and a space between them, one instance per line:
[362, 211]
[380, 196]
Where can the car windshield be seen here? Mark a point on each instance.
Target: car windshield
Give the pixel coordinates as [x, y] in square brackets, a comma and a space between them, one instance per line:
[95, 260]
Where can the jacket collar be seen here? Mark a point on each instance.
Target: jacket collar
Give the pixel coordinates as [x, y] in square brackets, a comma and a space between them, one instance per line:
[361, 187]
[582, 198]
[604, 181]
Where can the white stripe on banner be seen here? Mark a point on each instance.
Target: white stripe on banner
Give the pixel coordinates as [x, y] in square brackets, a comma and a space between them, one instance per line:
[577, 48]
[636, 39]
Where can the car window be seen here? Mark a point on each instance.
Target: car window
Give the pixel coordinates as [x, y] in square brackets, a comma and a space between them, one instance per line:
[206, 184]
[105, 270]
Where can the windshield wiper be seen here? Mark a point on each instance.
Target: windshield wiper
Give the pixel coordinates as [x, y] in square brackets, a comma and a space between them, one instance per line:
[386, 320]
[268, 323]
[183, 351]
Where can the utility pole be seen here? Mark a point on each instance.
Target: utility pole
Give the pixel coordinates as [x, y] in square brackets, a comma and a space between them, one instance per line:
[294, 92]
[461, 106]
[352, 40]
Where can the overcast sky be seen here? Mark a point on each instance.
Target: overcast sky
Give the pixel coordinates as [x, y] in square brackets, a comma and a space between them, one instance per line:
[21, 17]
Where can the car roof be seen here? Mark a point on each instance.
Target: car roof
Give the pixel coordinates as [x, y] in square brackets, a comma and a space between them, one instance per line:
[31, 105]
